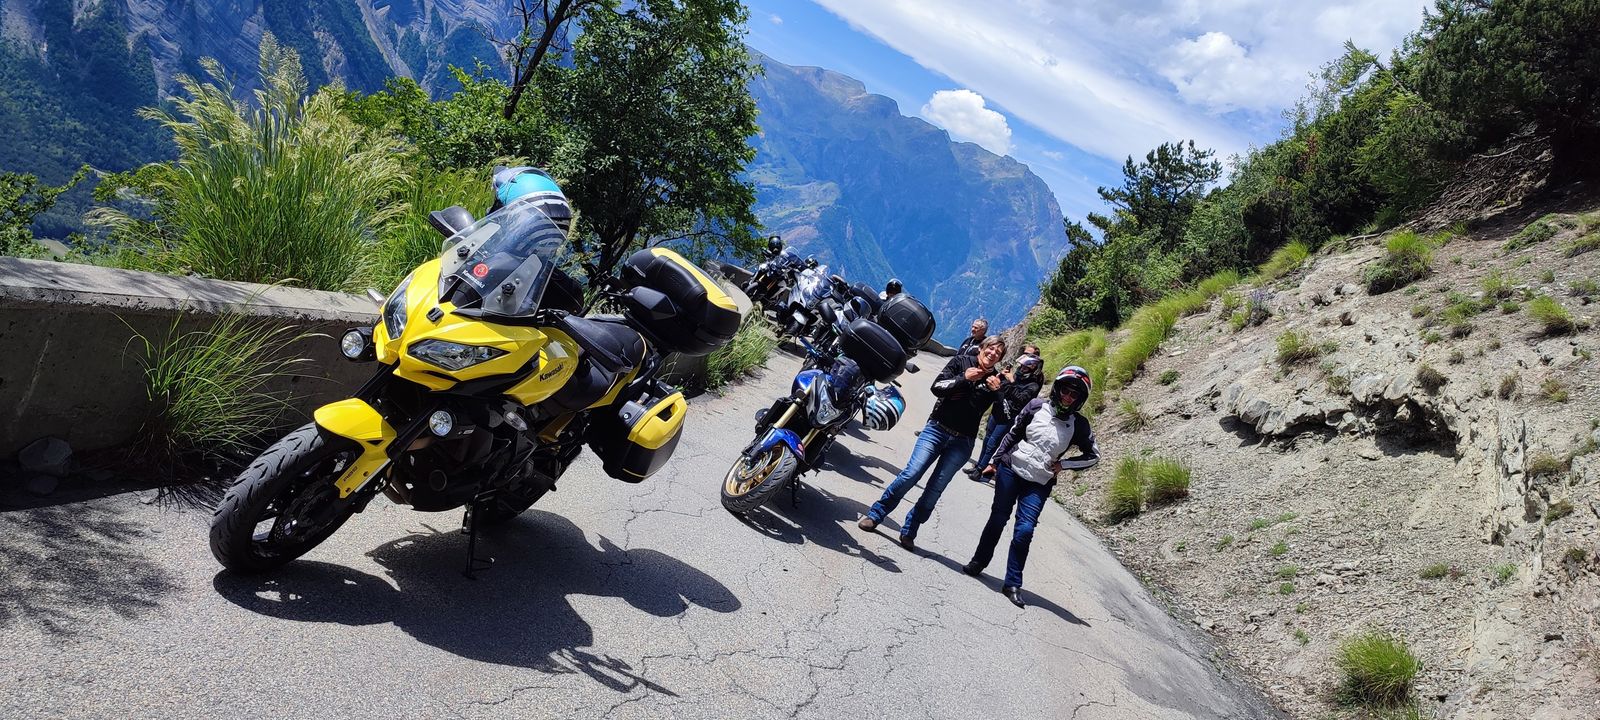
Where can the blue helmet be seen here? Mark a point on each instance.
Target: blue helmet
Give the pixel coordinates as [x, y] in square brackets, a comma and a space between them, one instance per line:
[534, 185]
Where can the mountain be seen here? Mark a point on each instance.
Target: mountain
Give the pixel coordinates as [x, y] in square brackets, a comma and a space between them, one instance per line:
[841, 174]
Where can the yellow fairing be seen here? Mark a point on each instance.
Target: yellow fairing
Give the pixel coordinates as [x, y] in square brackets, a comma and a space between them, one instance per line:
[661, 422]
[357, 420]
[519, 343]
[558, 358]
[714, 292]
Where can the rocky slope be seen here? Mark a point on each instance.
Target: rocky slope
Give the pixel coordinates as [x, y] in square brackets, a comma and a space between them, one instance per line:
[1354, 490]
[841, 174]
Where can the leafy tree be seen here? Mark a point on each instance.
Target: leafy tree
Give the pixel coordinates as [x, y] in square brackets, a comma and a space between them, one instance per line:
[22, 199]
[654, 121]
[544, 25]
[1158, 194]
[465, 130]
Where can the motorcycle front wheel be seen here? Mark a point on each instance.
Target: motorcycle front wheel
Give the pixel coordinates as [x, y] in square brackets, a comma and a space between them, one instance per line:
[749, 483]
[283, 504]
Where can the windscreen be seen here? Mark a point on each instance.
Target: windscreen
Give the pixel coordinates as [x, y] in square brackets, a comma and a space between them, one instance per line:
[507, 258]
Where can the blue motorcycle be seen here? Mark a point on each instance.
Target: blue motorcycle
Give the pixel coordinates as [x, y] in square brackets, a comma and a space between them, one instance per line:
[853, 376]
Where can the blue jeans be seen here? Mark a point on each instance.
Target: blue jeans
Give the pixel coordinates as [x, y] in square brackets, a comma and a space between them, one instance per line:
[1029, 498]
[937, 448]
[991, 441]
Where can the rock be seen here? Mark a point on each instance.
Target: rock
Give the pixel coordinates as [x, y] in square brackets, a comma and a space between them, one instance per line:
[40, 484]
[1349, 289]
[1347, 566]
[1552, 636]
[48, 455]
[1368, 387]
[1328, 579]
[1347, 318]
[1369, 453]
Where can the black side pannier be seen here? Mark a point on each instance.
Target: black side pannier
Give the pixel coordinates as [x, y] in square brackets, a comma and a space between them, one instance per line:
[879, 354]
[685, 309]
[908, 320]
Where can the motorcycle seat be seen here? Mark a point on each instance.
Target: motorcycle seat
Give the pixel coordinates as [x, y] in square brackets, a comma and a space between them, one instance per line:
[611, 343]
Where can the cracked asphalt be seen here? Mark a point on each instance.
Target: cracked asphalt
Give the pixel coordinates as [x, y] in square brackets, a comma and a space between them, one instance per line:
[607, 600]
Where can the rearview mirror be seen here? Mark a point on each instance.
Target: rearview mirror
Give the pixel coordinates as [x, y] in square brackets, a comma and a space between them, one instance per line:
[911, 367]
[450, 220]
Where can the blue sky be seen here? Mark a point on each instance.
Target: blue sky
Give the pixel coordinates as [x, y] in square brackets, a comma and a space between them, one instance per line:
[1071, 87]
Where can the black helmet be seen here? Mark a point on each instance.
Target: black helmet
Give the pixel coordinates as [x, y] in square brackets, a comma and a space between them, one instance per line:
[893, 287]
[1070, 390]
[811, 262]
[774, 245]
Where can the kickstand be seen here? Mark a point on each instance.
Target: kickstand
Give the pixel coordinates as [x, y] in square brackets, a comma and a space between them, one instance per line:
[469, 526]
[794, 493]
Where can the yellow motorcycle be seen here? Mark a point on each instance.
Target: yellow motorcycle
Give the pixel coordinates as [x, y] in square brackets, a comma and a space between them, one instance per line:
[490, 381]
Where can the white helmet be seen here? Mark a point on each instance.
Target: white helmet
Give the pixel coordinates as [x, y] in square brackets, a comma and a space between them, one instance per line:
[883, 409]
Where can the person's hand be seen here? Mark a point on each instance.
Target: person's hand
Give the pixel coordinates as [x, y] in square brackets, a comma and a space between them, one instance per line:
[1055, 466]
[993, 382]
[973, 373]
[988, 471]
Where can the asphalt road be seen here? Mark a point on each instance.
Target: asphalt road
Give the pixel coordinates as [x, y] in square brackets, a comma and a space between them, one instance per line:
[608, 600]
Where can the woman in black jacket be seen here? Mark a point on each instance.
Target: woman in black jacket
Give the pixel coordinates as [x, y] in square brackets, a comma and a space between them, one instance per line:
[1017, 388]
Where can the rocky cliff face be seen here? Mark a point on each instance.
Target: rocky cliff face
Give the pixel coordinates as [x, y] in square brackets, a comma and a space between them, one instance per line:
[841, 174]
[1432, 472]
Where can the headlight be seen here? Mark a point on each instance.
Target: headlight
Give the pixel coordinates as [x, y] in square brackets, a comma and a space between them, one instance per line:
[394, 311]
[823, 411]
[453, 356]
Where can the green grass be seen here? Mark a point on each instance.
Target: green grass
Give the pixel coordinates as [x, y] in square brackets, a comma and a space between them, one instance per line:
[1301, 637]
[1125, 495]
[1086, 349]
[1151, 324]
[1575, 555]
[1510, 307]
[1554, 390]
[1435, 571]
[750, 348]
[1133, 419]
[1508, 386]
[1295, 349]
[408, 240]
[1338, 384]
[1168, 377]
[1557, 510]
[1408, 258]
[1504, 572]
[1377, 668]
[1551, 316]
[1263, 523]
[289, 190]
[1456, 357]
[1223, 543]
[214, 391]
[1288, 572]
[1280, 549]
[1584, 288]
[1284, 260]
[1587, 243]
[1286, 588]
[1535, 232]
[1166, 480]
[1545, 464]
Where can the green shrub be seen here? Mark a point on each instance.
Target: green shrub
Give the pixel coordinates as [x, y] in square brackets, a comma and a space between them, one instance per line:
[1048, 322]
[1456, 357]
[1133, 419]
[1168, 377]
[1338, 384]
[1545, 465]
[1510, 307]
[1125, 495]
[1284, 260]
[212, 391]
[1280, 549]
[1288, 572]
[1286, 588]
[1168, 480]
[750, 348]
[1421, 310]
[1584, 288]
[1553, 389]
[1587, 243]
[1409, 258]
[1435, 571]
[1377, 668]
[1557, 510]
[1504, 572]
[1551, 316]
[291, 191]
[1430, 379]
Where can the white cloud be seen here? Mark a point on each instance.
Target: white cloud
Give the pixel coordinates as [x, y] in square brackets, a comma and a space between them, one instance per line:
[1053, 155]
[963, 113]
[1116, 79]
[775, 19]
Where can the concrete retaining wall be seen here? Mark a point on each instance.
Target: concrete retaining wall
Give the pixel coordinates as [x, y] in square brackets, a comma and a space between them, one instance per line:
[69, 360]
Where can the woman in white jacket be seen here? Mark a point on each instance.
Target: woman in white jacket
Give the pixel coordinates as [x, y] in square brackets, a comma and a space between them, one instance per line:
[1025, 466]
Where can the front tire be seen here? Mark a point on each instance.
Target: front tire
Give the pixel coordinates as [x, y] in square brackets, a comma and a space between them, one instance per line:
[749, 484]
[285, 503]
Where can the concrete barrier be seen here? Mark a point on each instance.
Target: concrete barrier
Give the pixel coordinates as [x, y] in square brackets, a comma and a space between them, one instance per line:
[71, 366]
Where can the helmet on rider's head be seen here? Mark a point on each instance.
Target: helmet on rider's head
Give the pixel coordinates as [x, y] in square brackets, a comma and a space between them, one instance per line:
[1069, 390]
[893, 287]
[531, 184]
[811, 262]
[883, 409]
[774, 245]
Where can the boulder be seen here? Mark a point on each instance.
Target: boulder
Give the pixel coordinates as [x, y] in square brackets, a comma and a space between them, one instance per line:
[47, 455]
[40, 484]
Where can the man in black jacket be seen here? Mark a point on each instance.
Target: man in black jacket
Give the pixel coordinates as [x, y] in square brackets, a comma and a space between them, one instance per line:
[966, 388]
[969, 346]
[1017, 387]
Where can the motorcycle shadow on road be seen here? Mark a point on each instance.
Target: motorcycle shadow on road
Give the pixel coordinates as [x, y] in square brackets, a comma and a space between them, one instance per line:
[822, 519]
[516, 613]
[859, 467]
